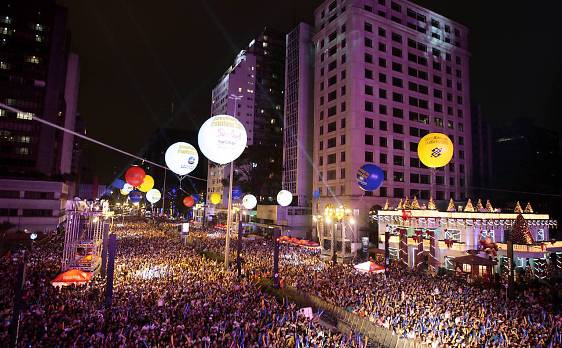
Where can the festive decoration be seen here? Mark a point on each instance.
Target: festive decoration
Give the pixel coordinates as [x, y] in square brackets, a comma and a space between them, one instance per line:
[316, 194]
[153, 196]
[386, 205]
[284, 198]
[469, 207]
[518, 209]
[489, 247]
[400, 205]
[415, 203]
[369, 177]
[433, 261]
[118, 183]
[215, 198]
[222, 139]
[451, 207]
[528, 208]
[419, 252]
[188, 201]
[407, 204]
[135, 196]
[134, 176]
[431, 204]
[479, 206]
[520, 233]
[489, 207]
[406, 214]
[181, 158]
[147, 184]
[449, 242]
[403, 247]
[127, 188]
[236, 192]
[435, 150]
[249, 201]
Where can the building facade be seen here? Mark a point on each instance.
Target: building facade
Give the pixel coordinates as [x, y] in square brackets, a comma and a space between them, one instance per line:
[39, 76]
[298, 126]
[457, 233]
[251, 90]
[386, 74]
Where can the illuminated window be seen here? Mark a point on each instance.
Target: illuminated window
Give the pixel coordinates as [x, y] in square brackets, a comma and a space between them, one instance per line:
[22, 151]
[540, 234]
[4, 66]
[32, 59]
[25, 115]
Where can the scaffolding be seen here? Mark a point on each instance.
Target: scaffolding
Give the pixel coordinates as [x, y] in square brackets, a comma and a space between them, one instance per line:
[86, 225]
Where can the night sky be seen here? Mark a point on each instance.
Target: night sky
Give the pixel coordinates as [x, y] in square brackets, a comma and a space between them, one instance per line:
[137, 57]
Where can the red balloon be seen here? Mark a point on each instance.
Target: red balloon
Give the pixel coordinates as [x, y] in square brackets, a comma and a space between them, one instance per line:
[135, 176]
[188, 201]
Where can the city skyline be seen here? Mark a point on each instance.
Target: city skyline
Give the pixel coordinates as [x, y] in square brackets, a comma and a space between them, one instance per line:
[166, 78]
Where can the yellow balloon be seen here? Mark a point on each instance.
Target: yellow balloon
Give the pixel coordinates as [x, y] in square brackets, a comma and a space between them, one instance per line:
[147, 184]
[435, 150]
[215, 198]
[124, 192]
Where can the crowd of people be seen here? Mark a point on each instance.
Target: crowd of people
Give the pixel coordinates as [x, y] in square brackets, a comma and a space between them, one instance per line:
[437, 311]
[166, 293]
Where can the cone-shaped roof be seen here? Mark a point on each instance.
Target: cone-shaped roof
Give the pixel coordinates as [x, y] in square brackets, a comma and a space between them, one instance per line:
[518, 209]
[451, 206]
[469, 207]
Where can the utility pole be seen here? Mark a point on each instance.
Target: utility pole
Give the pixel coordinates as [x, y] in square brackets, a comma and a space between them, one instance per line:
[229, 215]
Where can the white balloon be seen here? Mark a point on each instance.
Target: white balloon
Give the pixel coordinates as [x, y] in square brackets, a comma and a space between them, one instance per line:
[127, 188]
[153, 196]
[284, 198]
[249, 201]
[222, 139]
[181, 158]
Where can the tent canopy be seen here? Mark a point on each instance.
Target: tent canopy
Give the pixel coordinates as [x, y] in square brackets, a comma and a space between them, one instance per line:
[474, 260]
[369, 267]
[72, 276]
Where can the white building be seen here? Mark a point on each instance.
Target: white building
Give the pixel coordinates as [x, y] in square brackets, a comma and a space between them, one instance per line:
[33, 205]
[298, 132]
[251, 90]
[387, 73]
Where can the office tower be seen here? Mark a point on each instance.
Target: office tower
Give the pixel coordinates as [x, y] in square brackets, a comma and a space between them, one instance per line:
[40, 77]
[298, 123]
[387, 73]
[251, 90]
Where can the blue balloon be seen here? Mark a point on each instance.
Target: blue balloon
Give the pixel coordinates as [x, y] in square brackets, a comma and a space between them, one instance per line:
[135, 196]
[196, 198]
[316, 194]
[118, 184]
[236, 192]
[370, 177]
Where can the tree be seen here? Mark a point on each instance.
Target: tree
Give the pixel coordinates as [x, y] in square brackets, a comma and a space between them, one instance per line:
[520, 233]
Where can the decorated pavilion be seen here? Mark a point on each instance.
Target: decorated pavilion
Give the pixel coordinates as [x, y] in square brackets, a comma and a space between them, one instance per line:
[417, 235]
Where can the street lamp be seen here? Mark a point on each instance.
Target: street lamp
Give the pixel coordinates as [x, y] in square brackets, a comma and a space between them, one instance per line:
[337, 215]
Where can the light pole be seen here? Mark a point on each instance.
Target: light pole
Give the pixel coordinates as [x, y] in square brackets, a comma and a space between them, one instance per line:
[334, 217]
[229, 215]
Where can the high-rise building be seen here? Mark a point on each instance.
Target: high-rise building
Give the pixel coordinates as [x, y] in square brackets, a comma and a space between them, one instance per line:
[251, 90]
[387, 72]
[40, 77]
[298, 123]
